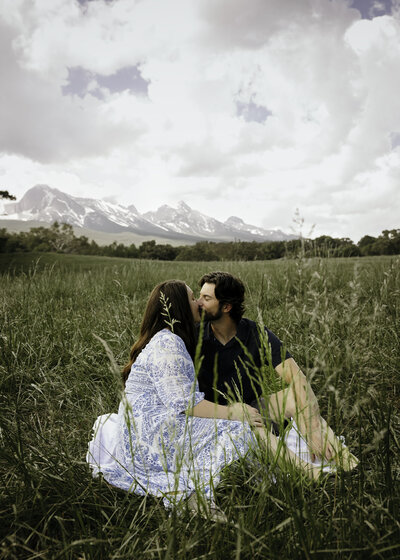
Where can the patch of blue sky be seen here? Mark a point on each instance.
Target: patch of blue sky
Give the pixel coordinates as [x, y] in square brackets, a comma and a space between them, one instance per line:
[127, 78]
[395, 139]
[251, 112]
[84, 2]
[372, 8]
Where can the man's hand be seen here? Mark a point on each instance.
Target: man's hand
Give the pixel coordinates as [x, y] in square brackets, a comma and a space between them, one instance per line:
[320, 444]
[326, 445]
[241, 412]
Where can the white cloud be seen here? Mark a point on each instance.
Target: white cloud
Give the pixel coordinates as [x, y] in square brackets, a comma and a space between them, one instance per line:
[39, 123]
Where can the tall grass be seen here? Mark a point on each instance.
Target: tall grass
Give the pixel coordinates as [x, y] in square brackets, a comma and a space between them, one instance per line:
[340, 320]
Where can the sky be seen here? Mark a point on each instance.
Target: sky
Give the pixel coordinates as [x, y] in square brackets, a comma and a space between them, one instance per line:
[262, 109]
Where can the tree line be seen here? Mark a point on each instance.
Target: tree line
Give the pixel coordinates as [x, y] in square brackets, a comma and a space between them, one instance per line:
[60, 238]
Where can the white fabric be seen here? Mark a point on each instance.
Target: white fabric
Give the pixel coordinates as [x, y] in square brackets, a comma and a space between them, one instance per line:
[296, 443]
[103, 446]
[151, 446]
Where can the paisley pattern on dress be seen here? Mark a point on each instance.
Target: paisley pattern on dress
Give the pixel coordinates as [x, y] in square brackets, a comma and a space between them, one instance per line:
[151, 445]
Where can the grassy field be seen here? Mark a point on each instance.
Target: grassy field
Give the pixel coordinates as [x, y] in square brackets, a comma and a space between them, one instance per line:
[340, 320]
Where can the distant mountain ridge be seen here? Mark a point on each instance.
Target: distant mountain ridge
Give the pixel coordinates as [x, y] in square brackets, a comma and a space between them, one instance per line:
[46, 204]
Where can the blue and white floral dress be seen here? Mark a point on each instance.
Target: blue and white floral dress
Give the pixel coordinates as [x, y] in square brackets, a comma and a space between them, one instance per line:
[151, 445]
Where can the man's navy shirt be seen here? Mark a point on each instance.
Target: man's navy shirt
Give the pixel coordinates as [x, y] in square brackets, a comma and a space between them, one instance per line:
[232, 363]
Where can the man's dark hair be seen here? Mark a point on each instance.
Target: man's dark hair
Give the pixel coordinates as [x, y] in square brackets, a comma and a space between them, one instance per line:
[228, 289]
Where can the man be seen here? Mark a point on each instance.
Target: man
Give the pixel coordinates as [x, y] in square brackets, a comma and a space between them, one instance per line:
[233, 352]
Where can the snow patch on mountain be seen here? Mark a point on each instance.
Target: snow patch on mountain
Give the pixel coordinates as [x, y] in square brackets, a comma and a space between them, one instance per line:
[42, 203]
[238, 224]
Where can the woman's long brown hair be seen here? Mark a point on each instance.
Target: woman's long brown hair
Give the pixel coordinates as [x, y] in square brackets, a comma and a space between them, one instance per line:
[173, 293]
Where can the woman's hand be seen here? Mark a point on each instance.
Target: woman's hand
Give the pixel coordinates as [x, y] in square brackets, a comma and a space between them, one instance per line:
[245, 412]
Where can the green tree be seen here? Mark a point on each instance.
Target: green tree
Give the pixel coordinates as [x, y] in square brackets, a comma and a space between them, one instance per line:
[388, 243]
[38, 239]
[201, 251]
[365, 245]
[346, 248]
[11, 242]
[133, 251]
[57, 238]
[165, 252]
[393, 235]
[147, 249]
[162, 252]
[80, 245]
[6, 194]
[273, 250]
[4, 237]
[62, 237]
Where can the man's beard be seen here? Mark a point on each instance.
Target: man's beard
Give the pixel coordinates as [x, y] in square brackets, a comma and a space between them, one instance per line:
[213, 316]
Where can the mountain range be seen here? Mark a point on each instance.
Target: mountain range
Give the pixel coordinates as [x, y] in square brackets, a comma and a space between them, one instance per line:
[44, 204]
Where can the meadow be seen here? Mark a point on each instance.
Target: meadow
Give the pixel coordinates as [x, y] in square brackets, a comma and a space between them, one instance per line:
[340, 318]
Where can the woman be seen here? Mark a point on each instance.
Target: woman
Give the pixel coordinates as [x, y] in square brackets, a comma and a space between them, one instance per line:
[166, 439]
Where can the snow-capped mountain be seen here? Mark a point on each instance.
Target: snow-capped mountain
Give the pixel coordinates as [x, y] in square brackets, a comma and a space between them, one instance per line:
[42, 203]
[186, 220]
[237, 224]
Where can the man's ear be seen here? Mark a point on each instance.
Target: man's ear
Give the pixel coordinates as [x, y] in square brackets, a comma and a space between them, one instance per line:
[226, 307]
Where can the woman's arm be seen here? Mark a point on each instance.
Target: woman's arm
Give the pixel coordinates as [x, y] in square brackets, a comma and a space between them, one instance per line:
[237, 411]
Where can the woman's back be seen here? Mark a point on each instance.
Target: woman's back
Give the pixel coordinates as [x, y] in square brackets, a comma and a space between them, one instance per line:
[162, 375]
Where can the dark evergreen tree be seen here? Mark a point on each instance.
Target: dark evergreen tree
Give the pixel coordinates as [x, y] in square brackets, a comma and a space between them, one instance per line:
[6, 194]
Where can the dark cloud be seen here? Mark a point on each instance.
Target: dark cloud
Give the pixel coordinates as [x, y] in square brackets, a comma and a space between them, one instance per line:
[232, 24]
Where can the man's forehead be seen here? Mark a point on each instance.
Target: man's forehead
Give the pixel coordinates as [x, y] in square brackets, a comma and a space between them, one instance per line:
[208, 289]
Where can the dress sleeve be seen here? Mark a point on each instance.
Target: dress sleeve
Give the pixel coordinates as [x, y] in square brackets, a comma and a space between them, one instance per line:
[172, 371]
[277, 352]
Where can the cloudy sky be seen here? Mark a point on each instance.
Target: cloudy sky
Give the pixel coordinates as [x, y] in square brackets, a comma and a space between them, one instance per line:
[250, 108]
